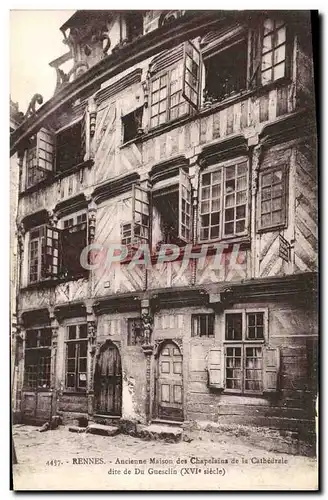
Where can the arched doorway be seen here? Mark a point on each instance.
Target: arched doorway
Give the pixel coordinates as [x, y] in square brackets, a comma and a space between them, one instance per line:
[169, 382]
[108, 381]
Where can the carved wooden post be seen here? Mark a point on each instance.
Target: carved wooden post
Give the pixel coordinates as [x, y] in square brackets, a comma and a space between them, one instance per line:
[92, 329]
[256, 155]
[53, 375]
[147, 347]
[194, 172]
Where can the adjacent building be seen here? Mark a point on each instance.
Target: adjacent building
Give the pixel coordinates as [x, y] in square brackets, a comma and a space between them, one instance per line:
[181, 147]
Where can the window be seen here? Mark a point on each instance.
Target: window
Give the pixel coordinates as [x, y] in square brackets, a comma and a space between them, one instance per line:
[137, 231]
[172, 212]
[43, 253]
[134, 25]
[134, 331]
[273, 61]
[243, 357]
[226, 72]
[174, 87]
[76, 357]
[73, 241]
[223, 202]
[272, 198]
[39, 157]
[202, 325]
[56, 252]
[69, 147]
[132, 125]
[37, 358]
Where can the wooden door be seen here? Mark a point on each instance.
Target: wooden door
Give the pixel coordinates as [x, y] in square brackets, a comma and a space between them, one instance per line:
[169, 387]
[108, 381]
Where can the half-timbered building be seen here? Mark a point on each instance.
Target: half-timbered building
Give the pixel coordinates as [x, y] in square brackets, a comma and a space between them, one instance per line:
[186, 142]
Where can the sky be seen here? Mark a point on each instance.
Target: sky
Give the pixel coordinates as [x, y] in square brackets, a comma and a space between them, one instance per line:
[35, 40]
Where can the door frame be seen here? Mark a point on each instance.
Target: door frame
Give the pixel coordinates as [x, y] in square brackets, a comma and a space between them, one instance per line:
[159, 346]
[108, 343]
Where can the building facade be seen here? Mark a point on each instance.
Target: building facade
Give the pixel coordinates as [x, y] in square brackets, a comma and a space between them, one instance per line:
[167, 223]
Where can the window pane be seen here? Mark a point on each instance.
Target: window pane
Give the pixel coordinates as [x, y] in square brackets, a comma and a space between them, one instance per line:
[279, 54]
[253, 369]
[281, 35]
[266, 77]
[72, 332]
[279, 71]
[233, 326]
[83, 331]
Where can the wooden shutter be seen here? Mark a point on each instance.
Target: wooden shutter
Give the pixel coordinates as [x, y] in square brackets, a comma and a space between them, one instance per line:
[191, 75]
[185, 207]
[50, 252]
[271, 363]
[215, 368]
[255, 56]
[140, 214]
[45, 151]
[85, 136]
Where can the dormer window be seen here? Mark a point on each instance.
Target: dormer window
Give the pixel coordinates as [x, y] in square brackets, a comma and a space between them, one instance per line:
[175, 84]
[134, 25]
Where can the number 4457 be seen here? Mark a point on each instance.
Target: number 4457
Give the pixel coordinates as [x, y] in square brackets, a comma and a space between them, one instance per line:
[54, 463]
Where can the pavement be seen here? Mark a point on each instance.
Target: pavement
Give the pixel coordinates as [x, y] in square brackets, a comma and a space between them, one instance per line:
[62, 460]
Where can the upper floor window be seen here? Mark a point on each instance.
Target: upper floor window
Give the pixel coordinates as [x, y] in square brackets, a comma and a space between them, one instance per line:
[175, 84]
[39, 157]
[55, 252]
[224, 201]
[134, 25]
[69, 148]
[226, 71]
[48, 152]
[171, 216]
[269, 52]
[273, 64]
[43, 253]
[272, 197]
[73, 241]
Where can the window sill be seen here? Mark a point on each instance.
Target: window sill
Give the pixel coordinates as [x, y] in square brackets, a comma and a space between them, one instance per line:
[74, 392]
[55, 177]
[207, 110]
[272, 229]
[51, 282]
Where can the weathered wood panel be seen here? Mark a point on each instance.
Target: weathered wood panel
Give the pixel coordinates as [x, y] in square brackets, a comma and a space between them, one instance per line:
[306, 210]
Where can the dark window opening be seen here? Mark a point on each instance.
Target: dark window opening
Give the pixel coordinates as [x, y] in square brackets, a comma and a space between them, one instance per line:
[69, 150]
[226, 72]
[132, 125]
[202, 325]
[134, 331]
[73, 240]
[166, 207]
[134, 25]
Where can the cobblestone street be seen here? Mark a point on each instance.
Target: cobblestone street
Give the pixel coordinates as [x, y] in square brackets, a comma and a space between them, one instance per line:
[49, 461]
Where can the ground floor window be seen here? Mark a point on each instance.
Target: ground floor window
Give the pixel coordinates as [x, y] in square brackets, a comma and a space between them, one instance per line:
[37, 358]
[76, 358]
[243, 368]
[245, 332]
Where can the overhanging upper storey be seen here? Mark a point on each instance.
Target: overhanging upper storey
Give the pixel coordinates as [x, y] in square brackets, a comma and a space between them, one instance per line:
[106, 46]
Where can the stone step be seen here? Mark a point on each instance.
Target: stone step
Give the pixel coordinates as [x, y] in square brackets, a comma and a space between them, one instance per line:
[173, 423]
[75, 428]
[167, 433]
[102, 430]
